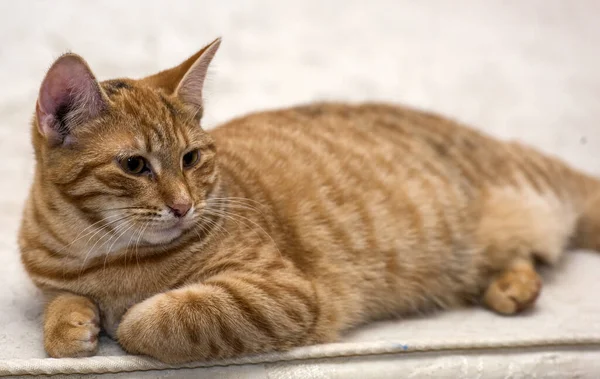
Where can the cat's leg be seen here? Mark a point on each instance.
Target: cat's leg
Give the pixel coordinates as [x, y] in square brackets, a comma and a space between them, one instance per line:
[517, 228]
[228, 315]
[71, 326]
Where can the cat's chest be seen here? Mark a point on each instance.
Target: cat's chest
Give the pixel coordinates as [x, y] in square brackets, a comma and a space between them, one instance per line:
[115, 294]
[113, 309]
[114, 303]
[118, 286]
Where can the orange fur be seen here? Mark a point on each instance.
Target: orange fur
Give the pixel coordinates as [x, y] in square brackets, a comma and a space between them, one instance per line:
[305, 221]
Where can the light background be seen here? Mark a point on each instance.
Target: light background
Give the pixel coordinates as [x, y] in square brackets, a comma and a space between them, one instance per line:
[521, 69]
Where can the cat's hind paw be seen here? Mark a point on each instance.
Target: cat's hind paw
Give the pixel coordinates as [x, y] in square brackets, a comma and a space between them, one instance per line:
[514, 290]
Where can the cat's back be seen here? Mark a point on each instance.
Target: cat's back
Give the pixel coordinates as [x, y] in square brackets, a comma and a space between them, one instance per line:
[375, 174]
[365, 176]
[337, 147]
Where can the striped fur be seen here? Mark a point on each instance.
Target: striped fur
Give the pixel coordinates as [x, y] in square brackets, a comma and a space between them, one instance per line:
[307, 221]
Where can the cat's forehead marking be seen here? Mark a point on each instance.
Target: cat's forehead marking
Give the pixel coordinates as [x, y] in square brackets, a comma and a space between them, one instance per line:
[114, 86]
[162, 138]
[169, 105]
[149, 119]
[181, 137]
[158, 126]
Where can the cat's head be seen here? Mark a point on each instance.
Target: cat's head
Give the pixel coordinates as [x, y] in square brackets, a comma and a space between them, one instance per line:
[129, 152]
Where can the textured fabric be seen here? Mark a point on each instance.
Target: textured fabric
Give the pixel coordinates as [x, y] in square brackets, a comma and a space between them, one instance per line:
[459, 365]
[301, 362]
[522, 69]
[566, 317]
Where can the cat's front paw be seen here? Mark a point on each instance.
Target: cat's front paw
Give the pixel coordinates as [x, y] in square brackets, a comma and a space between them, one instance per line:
[73, 333]
[173, 327]
[138, 334]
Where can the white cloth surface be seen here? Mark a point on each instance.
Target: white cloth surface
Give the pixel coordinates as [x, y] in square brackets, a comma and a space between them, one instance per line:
[518, 69]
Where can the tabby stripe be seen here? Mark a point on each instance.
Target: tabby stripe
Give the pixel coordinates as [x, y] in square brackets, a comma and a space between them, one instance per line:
[186, 313]
[349, 167]
[147, 142]
[113, 181]
[567, 184]
[401, 138]
[406, 202]
[363, 135]
[431, 136]
[159, 132]
[253, 185]
[442, 225]
[113, 87]
[540, 183]
[229, 336]
[274, 292]
[501, 168]
[328, 135]
[206, 168]
[219, 267]
[169, 106]
[253, 181]
[577, 187]
[92, 195]
[392, 268]
[227, 340]
[275, 264]
[34, 243]
[75, 206]
[213, 349]
[269, 217]
[210, 147]
[81, 174]
[447, 230]
[468, 161]
[40, 219]
[150, 255]
[293, 314]
[340, 235]
[544, 168]
[524, 169]
[254, 316]
[184, 279]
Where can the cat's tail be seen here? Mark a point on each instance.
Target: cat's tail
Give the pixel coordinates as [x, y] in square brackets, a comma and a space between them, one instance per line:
[587, 233]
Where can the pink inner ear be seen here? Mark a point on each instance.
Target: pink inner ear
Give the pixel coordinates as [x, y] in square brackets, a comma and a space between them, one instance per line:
[69, 95]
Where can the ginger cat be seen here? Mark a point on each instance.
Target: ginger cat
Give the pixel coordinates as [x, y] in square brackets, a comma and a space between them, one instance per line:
[278, 229]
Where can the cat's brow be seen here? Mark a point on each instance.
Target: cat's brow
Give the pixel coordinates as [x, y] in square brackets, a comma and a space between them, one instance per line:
[128, 151]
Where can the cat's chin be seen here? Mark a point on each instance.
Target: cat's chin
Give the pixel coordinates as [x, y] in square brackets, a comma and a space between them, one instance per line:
[162, 236]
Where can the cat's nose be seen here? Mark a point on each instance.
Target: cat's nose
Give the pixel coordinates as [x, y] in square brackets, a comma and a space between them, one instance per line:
[179, 209]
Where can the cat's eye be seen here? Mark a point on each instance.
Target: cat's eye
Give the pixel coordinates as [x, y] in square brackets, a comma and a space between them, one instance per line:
[134, 165]
[190, 158]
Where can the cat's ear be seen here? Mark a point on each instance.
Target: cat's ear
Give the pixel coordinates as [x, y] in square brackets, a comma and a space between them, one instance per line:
[69, 96]
[189, 89]
[186, 80]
